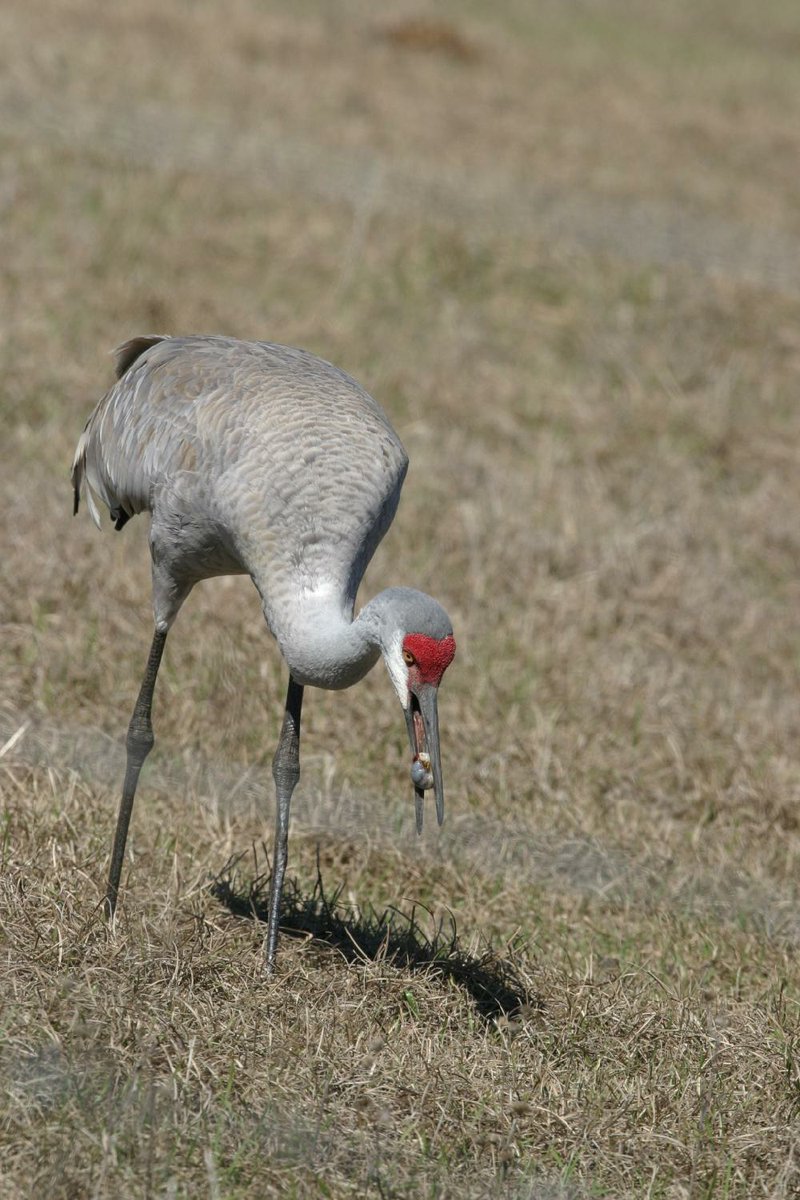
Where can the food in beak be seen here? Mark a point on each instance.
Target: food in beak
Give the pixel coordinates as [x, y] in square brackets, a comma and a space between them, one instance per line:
[421, 775]
[423, 735]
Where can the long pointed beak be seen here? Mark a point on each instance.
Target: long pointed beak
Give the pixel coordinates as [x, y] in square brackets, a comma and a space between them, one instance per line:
[422, 720]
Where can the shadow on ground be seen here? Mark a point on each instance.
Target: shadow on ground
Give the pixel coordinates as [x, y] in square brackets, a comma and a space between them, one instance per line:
[390, 937]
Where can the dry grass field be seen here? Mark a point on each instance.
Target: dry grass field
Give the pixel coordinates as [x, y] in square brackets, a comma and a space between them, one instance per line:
[560, 242]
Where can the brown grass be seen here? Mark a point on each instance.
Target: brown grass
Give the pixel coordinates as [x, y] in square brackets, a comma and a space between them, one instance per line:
[568, 268]
[430, 37]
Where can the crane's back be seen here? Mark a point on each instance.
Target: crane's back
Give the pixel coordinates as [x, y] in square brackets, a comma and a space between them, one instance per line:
[276, 459]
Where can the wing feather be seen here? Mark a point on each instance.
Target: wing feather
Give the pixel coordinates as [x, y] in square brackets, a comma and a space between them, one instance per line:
[293, 460]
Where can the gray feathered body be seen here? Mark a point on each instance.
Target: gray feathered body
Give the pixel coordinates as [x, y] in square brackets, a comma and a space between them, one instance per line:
[252, 458]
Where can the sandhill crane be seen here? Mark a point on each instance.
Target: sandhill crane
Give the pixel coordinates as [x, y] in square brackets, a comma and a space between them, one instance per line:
[259, 459]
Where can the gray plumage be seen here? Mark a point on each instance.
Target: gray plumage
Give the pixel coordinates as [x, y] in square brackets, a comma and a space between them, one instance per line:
[252, 458]
[264, 460]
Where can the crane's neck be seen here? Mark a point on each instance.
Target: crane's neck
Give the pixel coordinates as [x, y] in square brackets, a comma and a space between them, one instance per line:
[323, 644]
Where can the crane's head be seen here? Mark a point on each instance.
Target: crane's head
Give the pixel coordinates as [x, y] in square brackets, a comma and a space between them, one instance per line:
[418, 646]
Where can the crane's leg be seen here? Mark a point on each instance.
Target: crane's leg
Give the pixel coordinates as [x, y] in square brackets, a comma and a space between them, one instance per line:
[139, 744]
[286, 772]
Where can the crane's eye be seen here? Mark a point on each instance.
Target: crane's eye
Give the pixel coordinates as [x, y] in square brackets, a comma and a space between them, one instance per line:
[409, 658]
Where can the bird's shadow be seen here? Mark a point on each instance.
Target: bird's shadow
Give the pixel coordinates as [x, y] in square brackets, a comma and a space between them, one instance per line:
[390, 937]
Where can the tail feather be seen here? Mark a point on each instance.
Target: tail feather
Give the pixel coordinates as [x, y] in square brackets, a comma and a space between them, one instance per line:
[76, 474]
[126, 354]
[100, 470]
[79, 479]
